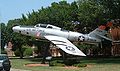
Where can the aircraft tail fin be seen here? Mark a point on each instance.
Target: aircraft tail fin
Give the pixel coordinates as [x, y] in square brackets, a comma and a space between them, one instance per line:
[101, 30]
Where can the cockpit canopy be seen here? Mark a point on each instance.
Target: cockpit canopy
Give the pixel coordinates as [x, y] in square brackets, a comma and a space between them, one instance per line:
[47, 26]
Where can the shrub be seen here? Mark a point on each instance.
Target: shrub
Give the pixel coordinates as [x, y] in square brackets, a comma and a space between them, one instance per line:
[83, 46]
[27, 51]
[80, 65]
[70, 62]
[17, 52]
[56, 63]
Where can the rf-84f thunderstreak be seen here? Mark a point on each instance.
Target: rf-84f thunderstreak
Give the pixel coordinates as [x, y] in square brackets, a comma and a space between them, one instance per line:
[61, 38]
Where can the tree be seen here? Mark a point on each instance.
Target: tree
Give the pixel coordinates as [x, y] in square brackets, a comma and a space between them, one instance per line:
[17, 39]
[3, 35]
[112, 8]
[24, 19]
[90, 14]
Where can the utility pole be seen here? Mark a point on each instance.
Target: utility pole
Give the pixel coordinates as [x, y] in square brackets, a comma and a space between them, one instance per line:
[0, 40]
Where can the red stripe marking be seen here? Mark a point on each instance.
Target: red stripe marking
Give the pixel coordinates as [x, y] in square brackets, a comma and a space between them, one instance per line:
[38, 34]
[102, 27]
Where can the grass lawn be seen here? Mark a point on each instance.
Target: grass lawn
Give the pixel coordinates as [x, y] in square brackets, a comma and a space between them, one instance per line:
[93, 64]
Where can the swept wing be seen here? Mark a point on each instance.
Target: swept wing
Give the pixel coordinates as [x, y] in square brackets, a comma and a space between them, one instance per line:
[65, 45]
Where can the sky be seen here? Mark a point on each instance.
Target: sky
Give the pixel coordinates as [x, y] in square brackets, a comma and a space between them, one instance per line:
[13, 9]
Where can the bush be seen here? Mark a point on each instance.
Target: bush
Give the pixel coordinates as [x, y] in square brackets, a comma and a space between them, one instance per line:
[28, 52]
[17, 52]
[80, 65]
[83, 46]
[56, 63]
[70, 62]
[62, 64]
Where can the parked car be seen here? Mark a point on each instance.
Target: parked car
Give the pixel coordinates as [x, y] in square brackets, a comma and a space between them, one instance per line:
[4, 63]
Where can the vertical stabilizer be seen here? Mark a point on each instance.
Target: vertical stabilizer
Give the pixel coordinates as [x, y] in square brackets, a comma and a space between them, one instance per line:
[101, 30]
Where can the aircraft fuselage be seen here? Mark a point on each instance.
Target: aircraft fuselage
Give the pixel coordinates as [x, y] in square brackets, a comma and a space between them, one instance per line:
[40, 32]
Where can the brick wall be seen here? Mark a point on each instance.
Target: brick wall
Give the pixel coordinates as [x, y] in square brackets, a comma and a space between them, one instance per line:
[115, 33]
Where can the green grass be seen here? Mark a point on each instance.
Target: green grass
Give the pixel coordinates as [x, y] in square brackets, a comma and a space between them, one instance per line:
[93, 64]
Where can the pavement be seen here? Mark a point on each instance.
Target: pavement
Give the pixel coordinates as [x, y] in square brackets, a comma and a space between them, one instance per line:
[18, 70]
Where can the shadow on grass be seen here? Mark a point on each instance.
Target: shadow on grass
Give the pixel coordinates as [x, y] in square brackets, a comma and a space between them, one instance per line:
[86, 60]
[31, 59]
[101, 60]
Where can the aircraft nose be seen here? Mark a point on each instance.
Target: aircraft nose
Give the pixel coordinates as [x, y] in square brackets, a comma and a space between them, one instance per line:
[15, 28]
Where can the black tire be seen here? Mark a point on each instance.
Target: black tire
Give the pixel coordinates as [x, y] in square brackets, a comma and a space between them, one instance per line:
[7, 69]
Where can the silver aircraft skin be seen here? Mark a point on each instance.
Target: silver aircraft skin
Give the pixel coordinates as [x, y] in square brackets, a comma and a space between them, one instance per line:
[61, 38]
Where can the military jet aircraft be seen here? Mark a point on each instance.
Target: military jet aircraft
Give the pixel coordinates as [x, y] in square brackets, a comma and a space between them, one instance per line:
[62, 38]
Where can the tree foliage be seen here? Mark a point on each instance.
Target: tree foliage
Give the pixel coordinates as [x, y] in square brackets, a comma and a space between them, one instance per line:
[3, 35]
[112, 8]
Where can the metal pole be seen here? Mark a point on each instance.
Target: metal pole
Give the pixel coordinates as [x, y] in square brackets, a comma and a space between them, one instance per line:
[0, 41]
[0, 32]
[0, 38]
